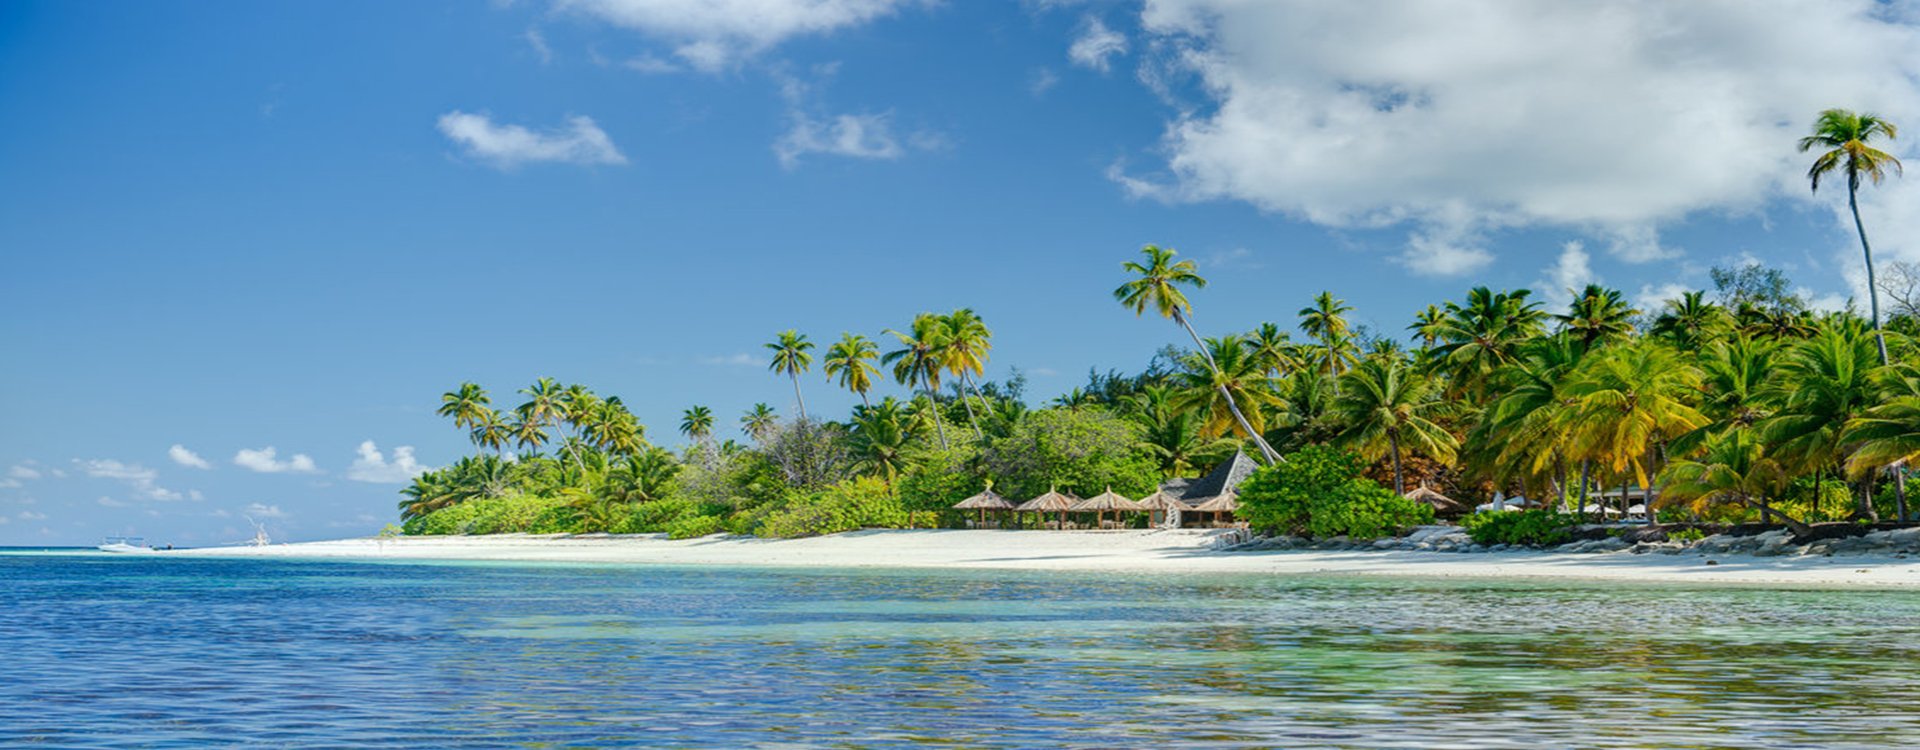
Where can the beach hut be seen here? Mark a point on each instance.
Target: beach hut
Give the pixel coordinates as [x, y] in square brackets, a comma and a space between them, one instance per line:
[1051, 502]
[1168, 506]
[1105, 502]
[1224, 503]
[1443, 506]
[985, 501]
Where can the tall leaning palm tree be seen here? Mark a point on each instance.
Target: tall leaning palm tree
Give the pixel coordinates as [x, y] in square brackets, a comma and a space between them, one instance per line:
[1387, 409]
[967, 344]
[851, 361]
[791, 355]
[1158, 286]
[918, 362]
[1845, 136]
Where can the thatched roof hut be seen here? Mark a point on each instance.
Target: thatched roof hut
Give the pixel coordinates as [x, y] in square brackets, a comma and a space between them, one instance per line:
[1225, 502]
[1051, 502]
[1443, 506]
[1107, 501]
[986, 500]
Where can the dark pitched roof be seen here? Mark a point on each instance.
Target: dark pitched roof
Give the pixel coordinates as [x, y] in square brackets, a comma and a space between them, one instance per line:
[1224, 478]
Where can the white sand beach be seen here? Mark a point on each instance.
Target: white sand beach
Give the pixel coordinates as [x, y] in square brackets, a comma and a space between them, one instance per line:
[1186, 550]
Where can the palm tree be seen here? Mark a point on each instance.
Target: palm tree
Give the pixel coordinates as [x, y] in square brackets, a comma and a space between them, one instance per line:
[1483, 335]
[1845, 136]
[1888, 435]
[491, 430]
[1820, 385]
[697, 423]
[528, 433]
[759, 422]
[1158, 286]
[851, 360]
[1598, 314]
[967, 342]
[642, 477]
[917, 362]
[1428, 324]
[1524, 433]
[1628, 402]
[613, 429]
[1734, 467]
[1226, 375]
[1386, 407]
[465, 405]
[1326, 320]
[791, 356]
[1272, 349]
[1691, 321]
[546, 403]
[879, 439]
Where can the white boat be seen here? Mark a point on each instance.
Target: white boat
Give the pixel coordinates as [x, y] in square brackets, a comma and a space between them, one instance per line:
[125, 544]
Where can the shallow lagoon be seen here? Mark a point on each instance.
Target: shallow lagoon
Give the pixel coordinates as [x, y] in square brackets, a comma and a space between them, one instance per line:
[129, 652]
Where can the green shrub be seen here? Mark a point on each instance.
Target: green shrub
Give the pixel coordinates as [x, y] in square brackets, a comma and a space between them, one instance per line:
[689, 527]
[1531, 528]
[1318, 492]
[1686, 535]
[847, 506]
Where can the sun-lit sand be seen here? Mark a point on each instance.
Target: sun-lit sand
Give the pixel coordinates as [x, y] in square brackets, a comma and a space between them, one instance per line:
[1158, 550]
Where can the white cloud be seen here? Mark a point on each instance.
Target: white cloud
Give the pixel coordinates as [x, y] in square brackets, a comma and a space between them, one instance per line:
[1653, 298]
[1042, 81]
[195, 495]
[22, 471]
[266, 461]
[10, 483]
[27, 515]
[862, 135]
[1095, 45]
[1569, 273]
[259, 510]
[1238, 257]
[1461, 119]
[580, 141]
[739, 360]
[110, 502]
[374, 467]
[538, 42]
[187, 458]
[714, 35]
[142, 479]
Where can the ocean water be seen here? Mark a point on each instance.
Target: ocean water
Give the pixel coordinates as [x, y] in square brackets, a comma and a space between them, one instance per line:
[114, 651]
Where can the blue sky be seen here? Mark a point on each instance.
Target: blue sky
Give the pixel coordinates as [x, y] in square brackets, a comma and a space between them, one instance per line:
[235, 227]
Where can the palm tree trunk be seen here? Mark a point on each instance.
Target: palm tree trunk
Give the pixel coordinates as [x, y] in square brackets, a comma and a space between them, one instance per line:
[966, 402]
[1873, 291]
[863, 400]
[933, 404]
[1900, 492]
[1399, 483]
[1586, 466]
[1271, 455]
[795, 375]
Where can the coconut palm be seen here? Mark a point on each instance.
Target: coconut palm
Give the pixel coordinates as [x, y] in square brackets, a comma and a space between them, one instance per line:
[613, 429]
[1326, 320]
[1158, 287]
[851, 361]
[465, 404]
[759, 422]
[1483, 334]
[546, 403]
[1226, 375]
[1690, 321]
[491, 430]
[967, 344]
[697, 423]
[879, 439]
[1820, 385]
[1733, 467]
[1628, 402]
[1428, 325]
[1523, 434]
[642, 477]
[1272, 350]
[1387, 408]
[918, 362]
[1598, 314]
[1845, 136]
[528, 433]
[791, 355]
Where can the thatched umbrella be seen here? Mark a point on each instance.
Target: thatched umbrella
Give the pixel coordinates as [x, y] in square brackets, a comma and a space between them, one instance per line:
[1442, 505]
[1163, 502]
[985, 501]
[1106, 501]
[1225, 502]
[1052, 502]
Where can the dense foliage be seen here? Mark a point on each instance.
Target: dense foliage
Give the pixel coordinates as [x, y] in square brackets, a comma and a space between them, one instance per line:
[1319, 492]
[1531, 528]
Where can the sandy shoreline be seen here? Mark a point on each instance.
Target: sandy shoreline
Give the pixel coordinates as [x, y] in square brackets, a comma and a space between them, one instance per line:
[1168, 551]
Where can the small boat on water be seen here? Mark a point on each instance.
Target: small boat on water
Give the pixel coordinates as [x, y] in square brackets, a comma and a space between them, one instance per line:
[125, 544]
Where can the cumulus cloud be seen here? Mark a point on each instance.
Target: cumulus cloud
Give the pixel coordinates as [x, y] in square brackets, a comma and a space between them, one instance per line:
[1042, 81]
[110, 502]
[373, 466]
[715, 35]
[1096, 44]
[1609, 119]
[142, 479]
[23, 471]
[261, 510]
[538, 42]
[1569, 273]
[187, 458]
[580, 141]
[266, 461]
[27, 515]
[1653, 298]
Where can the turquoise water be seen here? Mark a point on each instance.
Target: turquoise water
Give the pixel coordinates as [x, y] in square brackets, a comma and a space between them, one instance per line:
[114, 651]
